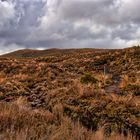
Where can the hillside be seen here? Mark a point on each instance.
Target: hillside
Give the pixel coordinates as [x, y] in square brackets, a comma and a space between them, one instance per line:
[29, 53]
[87, 93]
[21, 53]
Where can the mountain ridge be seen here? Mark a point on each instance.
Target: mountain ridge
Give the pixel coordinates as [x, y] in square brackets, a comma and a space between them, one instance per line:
[33, 53]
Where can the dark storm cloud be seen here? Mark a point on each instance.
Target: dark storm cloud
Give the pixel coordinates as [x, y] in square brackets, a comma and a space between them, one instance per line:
[68, 23]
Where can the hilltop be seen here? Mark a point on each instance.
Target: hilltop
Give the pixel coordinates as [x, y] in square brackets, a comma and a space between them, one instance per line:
[30, 53]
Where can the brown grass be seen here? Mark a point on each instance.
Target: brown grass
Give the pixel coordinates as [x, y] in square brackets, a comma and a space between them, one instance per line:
[43, 98]
[22, 123]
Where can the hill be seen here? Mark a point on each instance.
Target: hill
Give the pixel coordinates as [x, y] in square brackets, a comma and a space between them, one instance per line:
[86, 93]
[29, 53]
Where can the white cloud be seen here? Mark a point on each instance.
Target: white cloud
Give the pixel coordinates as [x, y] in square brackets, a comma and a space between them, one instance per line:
[7, 12]
[9, 48]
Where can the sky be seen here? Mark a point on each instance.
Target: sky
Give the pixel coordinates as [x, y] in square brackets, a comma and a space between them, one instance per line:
[43, 24]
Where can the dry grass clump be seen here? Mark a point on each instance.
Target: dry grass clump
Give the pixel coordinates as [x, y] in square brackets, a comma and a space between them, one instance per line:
[124, 82]
[19, 120]
[22, 123]
[86, 91]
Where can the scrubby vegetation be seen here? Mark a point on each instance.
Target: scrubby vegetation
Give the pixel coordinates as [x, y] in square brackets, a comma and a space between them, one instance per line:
[69, 95]
[88, 79]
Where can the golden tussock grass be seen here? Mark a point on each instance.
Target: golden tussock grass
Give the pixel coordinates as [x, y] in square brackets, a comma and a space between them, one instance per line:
[22, 123]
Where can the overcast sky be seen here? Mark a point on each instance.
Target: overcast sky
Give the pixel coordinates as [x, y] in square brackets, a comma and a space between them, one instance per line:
[43, 24]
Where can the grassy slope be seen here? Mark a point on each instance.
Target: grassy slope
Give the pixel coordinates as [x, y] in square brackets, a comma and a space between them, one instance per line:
[51, 84]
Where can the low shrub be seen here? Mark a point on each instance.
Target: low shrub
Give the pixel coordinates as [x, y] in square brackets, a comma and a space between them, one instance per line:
[88, 78]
